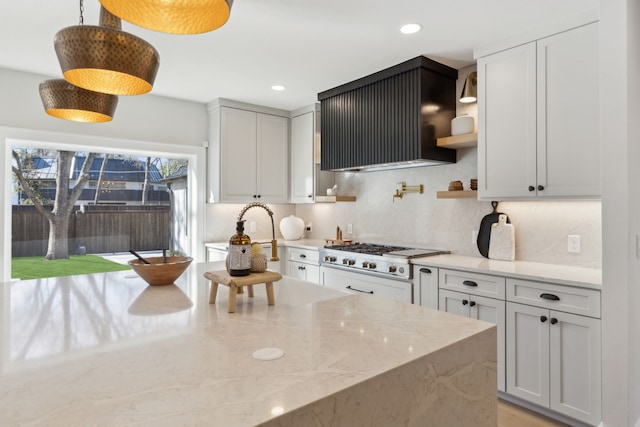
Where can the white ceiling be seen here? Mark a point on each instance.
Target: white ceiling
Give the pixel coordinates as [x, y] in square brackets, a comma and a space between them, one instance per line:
[306, 45]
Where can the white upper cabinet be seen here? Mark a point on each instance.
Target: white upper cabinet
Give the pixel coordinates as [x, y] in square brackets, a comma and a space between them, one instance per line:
[302, 157]
[538, 126]
[248, 154]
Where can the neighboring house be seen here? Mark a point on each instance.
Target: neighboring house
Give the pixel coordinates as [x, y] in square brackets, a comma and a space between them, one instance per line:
[177, 187]
[122, 181]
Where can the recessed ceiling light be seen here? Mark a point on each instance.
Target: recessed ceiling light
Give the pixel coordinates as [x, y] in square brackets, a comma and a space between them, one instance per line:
[410, 28]
[278, 87]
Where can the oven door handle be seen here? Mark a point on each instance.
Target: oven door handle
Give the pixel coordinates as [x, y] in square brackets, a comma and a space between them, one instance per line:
[359, 290]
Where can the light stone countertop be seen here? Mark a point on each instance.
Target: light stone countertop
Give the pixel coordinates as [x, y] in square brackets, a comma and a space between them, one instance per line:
[106, 349]
[561, 274]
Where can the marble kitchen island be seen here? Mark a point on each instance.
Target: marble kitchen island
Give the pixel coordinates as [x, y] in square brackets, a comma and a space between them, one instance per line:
[108, 350]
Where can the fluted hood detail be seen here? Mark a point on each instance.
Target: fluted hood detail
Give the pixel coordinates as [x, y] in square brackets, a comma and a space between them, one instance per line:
[390, 119]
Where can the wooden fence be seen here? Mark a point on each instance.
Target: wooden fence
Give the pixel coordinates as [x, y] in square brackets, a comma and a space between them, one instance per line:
[100, 229]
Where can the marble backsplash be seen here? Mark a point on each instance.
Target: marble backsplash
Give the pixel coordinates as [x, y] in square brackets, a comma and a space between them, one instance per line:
[541, 227]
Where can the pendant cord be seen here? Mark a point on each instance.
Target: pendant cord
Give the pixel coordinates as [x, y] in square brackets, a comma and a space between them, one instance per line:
[81, 12]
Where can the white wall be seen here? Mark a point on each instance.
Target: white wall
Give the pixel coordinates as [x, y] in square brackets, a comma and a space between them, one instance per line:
[620, 133]
[141, 125]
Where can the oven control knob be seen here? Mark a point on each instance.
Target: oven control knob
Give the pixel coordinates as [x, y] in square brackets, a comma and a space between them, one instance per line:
[365, 264]
[345, 261]
[352, 262]
[330, 258]
[392, 269]
[372, 265]
[401, 270]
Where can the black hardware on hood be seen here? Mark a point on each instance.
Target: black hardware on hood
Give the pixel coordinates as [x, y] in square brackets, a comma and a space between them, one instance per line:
[390, 119]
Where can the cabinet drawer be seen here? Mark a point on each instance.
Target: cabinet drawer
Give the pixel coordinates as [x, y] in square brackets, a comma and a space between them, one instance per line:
[585, 302]
[308, 256]
[472, 283]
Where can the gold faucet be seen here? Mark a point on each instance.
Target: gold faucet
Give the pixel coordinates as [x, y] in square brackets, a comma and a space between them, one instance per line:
[274, 242]
[406, 189]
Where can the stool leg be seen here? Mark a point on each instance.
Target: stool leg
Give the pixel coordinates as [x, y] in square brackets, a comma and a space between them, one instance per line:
[213, 293]
[250, 290]
[240, 290]
[270, 297]
[233, 291]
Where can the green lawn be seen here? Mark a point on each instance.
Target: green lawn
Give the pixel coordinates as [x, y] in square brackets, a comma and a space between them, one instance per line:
[37, 267]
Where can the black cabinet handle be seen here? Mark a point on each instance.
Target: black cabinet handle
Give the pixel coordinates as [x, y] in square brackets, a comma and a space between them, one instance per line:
[540, 187]
[543, 319]
[465, 302]
[553, 320]
[472, 304]
[470, 283]
[550, 297]
[425, 270]
[303, 256]
[532, 188]
[359, 290]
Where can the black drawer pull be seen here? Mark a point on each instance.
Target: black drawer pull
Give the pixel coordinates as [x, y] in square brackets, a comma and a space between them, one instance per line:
[303, 256]
[465, 302]
[472, 303]
[470, 283]
[550, 297]
[543, 319]
[425, 270]
[359, 290]
[553, 320]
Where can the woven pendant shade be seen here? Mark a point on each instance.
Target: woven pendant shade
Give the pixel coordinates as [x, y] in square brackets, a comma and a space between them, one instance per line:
[172, 16]
[68, 102]
[106, 59]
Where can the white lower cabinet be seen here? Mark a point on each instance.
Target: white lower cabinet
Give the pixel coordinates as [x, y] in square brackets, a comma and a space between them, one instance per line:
[554, 357]
[303, 264]
[352, 282]
[480, 308]
[425, 285]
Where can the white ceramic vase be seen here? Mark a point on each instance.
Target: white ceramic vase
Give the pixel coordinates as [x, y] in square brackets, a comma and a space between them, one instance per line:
[292, 227]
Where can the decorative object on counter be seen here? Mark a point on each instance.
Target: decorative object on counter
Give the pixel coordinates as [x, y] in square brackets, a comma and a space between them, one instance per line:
[473, 184]
[462, 125]
[338, 240]
[106, 59]
[333, 191]
[403, 189]
[502, 244]
[236, 284]
[174, 17]
[274, 242]
[470, 89]
[157, 273]
[239, 252]
[455, 186]
[292, 227]
[258, 258]
[484, 234]
[65, 101]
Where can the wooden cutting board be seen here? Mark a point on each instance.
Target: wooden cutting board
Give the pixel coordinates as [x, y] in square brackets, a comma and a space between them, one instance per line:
[502, 244]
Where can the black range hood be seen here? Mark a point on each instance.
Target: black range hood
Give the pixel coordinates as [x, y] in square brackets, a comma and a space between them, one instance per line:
[389, 119]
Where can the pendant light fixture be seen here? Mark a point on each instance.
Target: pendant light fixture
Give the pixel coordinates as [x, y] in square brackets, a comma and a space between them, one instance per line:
[106, 59]
[65, 101]
[173, 16]
[470, 89]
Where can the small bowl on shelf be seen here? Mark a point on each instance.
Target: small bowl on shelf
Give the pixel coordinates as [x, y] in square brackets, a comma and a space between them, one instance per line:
[157, 272]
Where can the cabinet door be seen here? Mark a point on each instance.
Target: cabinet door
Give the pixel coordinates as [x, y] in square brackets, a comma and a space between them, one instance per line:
[575, 366]
[453, 302]
[426, 285]
[507, 123]
[272, 167]
[568, 123]
[296, 270]
[492, 311]
[302, 154]
[355, 283]
[528, 353]
[238, 174]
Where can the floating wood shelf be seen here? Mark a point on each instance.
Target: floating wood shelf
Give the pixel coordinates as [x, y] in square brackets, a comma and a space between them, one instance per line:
[333, 199]
[459, 141]
[466, 194]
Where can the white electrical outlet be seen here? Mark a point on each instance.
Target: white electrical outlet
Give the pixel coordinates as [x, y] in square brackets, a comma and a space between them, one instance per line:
[474, 236]
[308, 227]
[573, 243]
[349, 228]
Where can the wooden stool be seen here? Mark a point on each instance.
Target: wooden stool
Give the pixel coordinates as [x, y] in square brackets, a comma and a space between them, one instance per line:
[235, 284]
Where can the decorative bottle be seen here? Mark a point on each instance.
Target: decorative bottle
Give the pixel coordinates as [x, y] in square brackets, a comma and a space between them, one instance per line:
[239, 252]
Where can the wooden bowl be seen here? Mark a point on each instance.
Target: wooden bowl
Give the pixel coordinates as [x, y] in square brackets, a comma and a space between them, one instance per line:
[156, 273]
